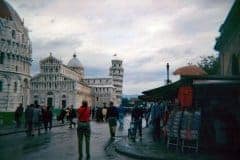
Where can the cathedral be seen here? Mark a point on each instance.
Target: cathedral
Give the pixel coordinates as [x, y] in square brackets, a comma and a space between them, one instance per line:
[15, 59]
[61, 85]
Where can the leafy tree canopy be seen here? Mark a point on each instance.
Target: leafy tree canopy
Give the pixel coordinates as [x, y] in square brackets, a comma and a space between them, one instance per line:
[210, 64]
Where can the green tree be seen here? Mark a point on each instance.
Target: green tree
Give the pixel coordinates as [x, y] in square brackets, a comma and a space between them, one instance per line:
[210, 64]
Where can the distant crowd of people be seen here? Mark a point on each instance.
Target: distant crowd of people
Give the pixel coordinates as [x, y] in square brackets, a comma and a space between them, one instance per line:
[35, 116]
[155, 114]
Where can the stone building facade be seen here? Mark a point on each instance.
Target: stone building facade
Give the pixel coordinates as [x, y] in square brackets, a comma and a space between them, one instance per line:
[103, 90]
[60, 85]
[15, 59]
[228, 43]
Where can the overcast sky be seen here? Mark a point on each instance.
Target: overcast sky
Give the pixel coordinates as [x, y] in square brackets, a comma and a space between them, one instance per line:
[146, 34]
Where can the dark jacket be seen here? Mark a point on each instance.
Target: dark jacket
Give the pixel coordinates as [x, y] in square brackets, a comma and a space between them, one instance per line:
[137, 113]
[29, 114]
[112, 112]
[18, 112]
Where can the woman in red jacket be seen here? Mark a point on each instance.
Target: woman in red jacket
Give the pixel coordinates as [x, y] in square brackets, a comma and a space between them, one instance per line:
[83, 115]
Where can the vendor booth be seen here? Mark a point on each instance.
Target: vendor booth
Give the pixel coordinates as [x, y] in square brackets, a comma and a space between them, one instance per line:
[215, 101]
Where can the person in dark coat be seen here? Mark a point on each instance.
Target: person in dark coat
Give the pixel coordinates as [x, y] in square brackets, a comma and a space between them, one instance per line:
[46, 117]
[29, 119]
[62, 115]
[72, 114]
[18, 115]
[50, 116]
[112, 116]
[137, 115]
[99, 114]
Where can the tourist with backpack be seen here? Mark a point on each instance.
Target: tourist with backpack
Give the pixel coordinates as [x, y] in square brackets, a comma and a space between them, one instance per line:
[112, 116]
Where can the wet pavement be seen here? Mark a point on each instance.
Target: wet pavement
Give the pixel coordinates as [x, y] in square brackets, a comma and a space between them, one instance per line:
[61, 144]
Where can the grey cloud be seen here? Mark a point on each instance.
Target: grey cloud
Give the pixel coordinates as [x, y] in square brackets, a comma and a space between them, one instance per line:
[202, 17]
[68, 42]
[33, 4]
[213, 3]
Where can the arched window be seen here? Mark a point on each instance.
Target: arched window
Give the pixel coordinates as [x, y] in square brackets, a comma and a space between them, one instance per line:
[1, 86]
[15, 87]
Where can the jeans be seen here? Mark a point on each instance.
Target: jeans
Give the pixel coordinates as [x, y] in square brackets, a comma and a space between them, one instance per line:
[138, 126]
[112, 121]
[83, 130]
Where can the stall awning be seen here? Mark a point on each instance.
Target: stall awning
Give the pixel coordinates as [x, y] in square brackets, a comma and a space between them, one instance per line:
[163, 92]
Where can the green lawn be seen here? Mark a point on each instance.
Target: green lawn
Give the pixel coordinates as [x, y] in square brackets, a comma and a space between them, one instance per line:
[6, 118]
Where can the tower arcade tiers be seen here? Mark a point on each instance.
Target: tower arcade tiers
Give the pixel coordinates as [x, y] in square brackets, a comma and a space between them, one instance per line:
[116, 72]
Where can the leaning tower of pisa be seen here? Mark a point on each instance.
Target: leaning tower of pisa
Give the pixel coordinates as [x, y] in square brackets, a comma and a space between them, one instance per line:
[116, 72]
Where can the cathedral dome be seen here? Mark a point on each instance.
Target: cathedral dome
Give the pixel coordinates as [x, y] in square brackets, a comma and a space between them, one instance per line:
[9, 14]
[74, 62]
[12, 29]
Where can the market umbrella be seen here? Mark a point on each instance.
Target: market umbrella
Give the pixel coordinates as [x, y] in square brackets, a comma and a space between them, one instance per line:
[191, 70]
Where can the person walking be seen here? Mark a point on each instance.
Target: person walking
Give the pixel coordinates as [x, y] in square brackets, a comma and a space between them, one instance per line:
[99, 115]
[112, 116]
[72, 114]
[147, 115]
[104, 112]
[83, 129]
[37, 116]
[156, 115]
[62, 115]
[137, 115]
[46, 117]
[18, 115]
[93, 112]
[121, 113]
[50, 113]
[29, 119]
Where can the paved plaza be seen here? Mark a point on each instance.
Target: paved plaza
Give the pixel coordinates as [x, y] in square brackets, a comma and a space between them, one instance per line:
[60, 144]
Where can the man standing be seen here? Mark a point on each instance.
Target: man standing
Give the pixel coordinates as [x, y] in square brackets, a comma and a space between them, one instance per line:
[112, 116]
[18, 115]
[83, 116]
[137, 115]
